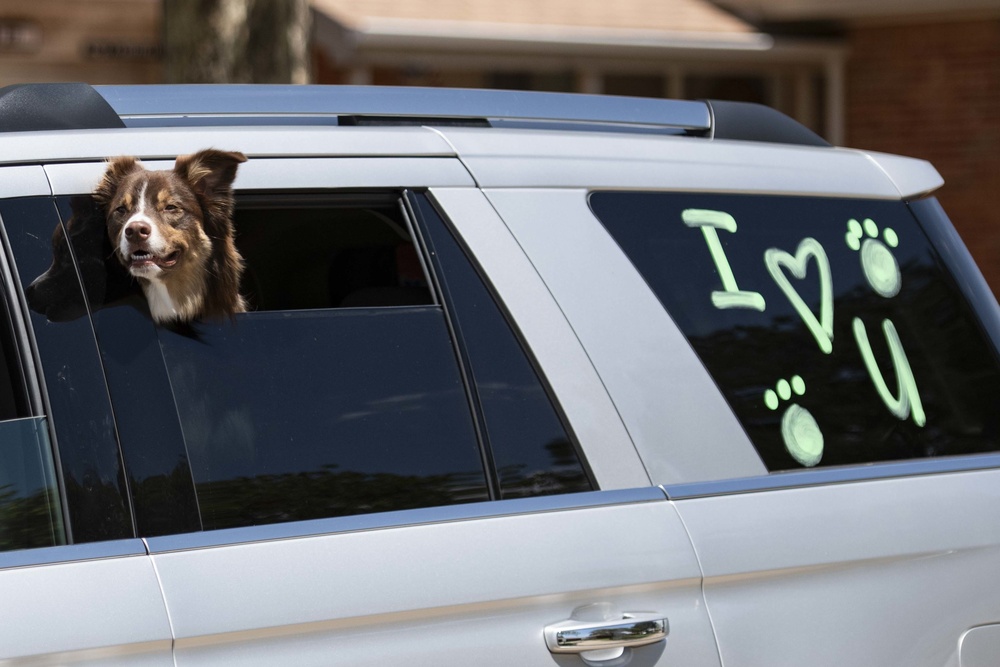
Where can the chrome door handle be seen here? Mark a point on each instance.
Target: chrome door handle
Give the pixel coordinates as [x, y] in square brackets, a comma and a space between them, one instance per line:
[630, 630]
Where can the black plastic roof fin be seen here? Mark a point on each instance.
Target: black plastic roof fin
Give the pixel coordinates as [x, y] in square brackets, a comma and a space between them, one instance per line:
[33, 107]
[746, 121]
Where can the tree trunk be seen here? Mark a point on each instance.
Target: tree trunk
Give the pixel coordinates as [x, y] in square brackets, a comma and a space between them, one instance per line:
[236, 41]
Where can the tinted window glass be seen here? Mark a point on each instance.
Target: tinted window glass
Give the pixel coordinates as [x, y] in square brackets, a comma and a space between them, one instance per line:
[532, 451]
[341, 393]
[328, 253]
[831, 326]
[324, 413]
[90, 462]
[158, 477]
[30, 509]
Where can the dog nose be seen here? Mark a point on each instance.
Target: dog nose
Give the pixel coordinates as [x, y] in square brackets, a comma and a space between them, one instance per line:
[137, 229]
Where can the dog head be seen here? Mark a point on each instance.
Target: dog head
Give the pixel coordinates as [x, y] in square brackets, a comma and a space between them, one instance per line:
[173, 231]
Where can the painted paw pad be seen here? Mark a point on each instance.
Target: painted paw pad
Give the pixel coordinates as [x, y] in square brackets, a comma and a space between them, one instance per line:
[799, 430]
[877, 261]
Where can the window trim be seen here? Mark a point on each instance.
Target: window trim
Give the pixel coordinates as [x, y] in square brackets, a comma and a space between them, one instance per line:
[15, 305]
[794, 479]
[410, 201]
[488, 509]
[21, 333]
[72, 553]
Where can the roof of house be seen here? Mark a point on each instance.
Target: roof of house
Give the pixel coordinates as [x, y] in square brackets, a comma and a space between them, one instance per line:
[797, 10]
[564, 25]
[662, 15]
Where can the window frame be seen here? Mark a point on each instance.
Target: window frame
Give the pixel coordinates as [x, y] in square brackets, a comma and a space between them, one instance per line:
[403, 198]
[983, 307]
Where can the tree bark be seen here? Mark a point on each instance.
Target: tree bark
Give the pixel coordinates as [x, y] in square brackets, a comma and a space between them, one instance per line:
[236, 41]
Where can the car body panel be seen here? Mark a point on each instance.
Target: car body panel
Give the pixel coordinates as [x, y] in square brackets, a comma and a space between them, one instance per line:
[302, 173]
[912, 177]
[887, 572]
[679, 422]
[163, 143]
[468, 590]
[557, 348]
[519, 158]
[83, 605]
[24, 181]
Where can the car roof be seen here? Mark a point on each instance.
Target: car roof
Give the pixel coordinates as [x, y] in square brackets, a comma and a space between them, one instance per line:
[504, 138]
[40, 107]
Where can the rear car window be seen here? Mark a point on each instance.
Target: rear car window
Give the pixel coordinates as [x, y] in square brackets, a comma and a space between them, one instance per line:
[832, 326]
[375, 371]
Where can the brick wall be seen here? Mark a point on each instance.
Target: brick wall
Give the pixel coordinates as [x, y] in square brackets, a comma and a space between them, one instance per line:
[932, 90]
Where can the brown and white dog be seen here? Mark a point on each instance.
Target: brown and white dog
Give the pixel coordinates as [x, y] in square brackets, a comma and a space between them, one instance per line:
[173, 231]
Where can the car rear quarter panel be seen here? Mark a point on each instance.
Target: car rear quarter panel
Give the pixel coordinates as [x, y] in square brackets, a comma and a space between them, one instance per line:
[888, 572]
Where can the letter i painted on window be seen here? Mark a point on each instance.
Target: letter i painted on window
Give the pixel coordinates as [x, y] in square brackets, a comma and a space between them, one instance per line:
[907, 401]
[731, 296]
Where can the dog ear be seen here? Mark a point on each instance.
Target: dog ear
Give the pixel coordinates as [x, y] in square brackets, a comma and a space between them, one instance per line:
[118, 169]
[210, 172]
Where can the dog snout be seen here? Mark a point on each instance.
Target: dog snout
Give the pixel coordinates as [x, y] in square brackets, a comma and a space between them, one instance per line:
[137, 230]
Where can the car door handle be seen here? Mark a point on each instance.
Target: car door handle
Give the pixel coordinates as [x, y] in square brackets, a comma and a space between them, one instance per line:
[629, 630]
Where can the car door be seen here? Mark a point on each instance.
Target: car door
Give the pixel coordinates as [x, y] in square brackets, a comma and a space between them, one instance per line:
[382, 462]
[852, 341]
[78, 586]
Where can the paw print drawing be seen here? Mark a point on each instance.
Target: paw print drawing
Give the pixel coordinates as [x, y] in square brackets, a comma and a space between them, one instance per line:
[803, 439]
[877, 261]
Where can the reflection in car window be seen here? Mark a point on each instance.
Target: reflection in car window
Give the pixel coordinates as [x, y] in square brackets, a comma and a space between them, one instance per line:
[327, 252]
[312, 414]
[96, 489]
[349, 388]
[531, 448]
[30, 509]
[341, 393]
[831, 326]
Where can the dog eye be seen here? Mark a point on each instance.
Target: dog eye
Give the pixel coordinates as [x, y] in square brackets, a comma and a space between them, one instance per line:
[171, 207]
[121, 210]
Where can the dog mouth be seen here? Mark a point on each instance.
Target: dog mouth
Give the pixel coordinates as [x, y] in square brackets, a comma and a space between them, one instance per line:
[144, 259]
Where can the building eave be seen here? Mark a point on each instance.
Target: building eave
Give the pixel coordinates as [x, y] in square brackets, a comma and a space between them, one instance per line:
[480, 36]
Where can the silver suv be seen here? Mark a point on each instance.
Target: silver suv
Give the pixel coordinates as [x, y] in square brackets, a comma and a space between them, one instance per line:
[524, 379]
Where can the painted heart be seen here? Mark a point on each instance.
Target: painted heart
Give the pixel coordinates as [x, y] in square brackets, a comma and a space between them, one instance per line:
[778, 261]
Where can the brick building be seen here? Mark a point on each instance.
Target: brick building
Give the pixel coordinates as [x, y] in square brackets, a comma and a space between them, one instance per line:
[932, 90]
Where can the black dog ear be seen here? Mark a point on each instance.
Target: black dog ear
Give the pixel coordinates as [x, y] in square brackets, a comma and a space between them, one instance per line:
[210, 172]
[118, 169]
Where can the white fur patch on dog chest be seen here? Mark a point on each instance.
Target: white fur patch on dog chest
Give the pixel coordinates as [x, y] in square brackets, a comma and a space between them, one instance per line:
[161, 305]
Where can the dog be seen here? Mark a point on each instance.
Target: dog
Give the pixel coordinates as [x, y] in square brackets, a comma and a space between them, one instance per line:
[173, 231]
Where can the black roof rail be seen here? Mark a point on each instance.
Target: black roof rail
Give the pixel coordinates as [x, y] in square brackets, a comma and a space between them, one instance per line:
[31, 107]
[747, 121]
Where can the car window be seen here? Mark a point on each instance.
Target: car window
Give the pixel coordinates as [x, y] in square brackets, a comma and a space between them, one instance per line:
[339, 252]
[532, 448]
[831, 326]
[83, 460]
[30, 505]
[368, 375]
